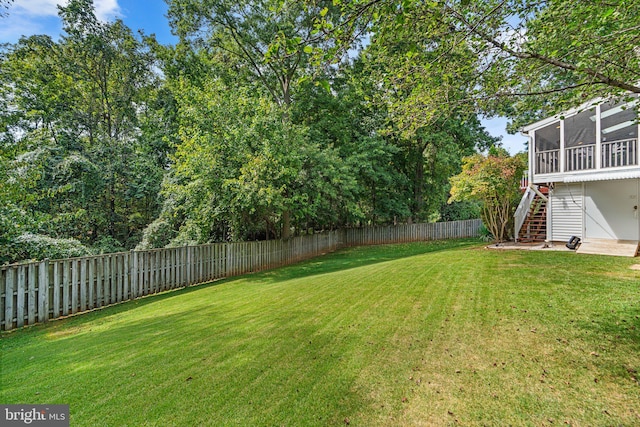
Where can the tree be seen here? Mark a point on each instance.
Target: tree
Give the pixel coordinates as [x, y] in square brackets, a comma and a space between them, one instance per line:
[493, 180]
[238, 167]
[266, 43]
[531, 59]
[426, 100]
[76, 130]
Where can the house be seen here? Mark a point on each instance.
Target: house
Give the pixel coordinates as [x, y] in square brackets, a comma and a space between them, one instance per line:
[583, 177]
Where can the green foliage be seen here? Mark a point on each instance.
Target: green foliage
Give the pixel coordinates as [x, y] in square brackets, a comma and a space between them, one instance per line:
[29, 246]
[379, 336]
[460, 210]
[244, 134]
[494, 181]
[81, 149]
[521, 58]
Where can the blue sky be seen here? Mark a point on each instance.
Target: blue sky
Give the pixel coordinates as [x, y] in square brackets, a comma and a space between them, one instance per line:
[28, 17]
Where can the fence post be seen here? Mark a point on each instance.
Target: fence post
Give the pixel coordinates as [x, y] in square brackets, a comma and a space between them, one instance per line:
[134, 274]
[8, 300]
[20, 300]
[43, 291]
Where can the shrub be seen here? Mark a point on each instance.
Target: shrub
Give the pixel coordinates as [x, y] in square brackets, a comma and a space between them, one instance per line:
[30, 246]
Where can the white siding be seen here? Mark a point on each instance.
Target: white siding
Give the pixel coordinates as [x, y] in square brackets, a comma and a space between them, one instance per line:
[612, 209]
[566, 212]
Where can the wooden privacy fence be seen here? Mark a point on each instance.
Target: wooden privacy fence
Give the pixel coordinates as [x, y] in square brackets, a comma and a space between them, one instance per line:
[49, 289]
[411, 232]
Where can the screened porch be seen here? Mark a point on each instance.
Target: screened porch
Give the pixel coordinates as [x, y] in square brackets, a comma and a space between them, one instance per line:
[602, 137]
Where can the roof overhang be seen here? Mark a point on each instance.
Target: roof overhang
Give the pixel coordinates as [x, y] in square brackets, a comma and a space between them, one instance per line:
[603, 176]
[547, 121]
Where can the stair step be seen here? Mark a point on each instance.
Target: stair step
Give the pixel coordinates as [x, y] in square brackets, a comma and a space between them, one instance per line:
[534, 228]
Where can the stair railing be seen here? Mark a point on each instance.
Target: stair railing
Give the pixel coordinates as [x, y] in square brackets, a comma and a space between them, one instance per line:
[523, 208]
[521, 211]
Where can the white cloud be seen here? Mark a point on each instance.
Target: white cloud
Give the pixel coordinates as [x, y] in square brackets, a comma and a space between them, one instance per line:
[35, 7]
[29, 17]
[104, 9]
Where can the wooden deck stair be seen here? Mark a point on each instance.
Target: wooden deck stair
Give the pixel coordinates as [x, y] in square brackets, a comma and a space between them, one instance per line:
[534, 228]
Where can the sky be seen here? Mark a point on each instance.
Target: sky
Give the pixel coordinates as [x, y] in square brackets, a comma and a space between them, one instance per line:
[29, 17]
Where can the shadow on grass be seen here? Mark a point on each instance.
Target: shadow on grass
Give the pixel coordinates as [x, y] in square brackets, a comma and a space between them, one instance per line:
[360, 256]
[616, 328]
[341, 260]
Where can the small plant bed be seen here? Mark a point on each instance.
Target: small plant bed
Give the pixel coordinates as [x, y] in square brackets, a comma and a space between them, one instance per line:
[434, 333]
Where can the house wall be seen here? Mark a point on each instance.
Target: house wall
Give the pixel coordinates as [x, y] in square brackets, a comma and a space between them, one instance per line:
[611, 209]
[566, 213]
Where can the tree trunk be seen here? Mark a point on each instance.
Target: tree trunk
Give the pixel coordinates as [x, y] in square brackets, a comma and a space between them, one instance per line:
[286, 225]
[418, 184]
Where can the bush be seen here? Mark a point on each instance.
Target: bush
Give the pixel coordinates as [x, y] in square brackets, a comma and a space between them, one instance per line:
[107, 245]
[485, 234]
[158, 234]
[460, 211]
[29, 246]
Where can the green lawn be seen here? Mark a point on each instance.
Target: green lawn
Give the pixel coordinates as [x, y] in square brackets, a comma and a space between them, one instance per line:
[439, 333]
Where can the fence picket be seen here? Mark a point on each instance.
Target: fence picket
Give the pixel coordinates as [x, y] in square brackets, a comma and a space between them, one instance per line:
[43, 291]
[20, 300]
[80, 284]
[74, 286]
[91, 277]
[56, 290]
[106, 284]
[8, 305]
[83, 284]
[126, 287]
[66, 275]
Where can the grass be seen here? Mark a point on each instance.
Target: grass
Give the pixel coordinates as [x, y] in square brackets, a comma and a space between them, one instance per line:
[439, 333]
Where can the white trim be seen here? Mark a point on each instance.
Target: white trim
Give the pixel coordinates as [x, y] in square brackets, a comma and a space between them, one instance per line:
[563, 154]
[628, 174]
[573, 111]
[598, 153]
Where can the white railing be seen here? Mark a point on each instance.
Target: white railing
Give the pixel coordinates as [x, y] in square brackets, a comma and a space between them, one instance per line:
[620, 153]
[547, 161]
[524, 180]
[522, 210]
[580, 158]
[613, 154]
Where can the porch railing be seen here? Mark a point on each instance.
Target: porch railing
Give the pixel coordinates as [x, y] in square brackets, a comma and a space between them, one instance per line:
[620, 153]
[613, 154]
[580, 158]
[547, 161]
[524, 180]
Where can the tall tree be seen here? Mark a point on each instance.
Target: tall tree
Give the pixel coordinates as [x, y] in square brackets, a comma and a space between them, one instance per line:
[74, 129]
[268, 42]
[531, 58]
[426, 97]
